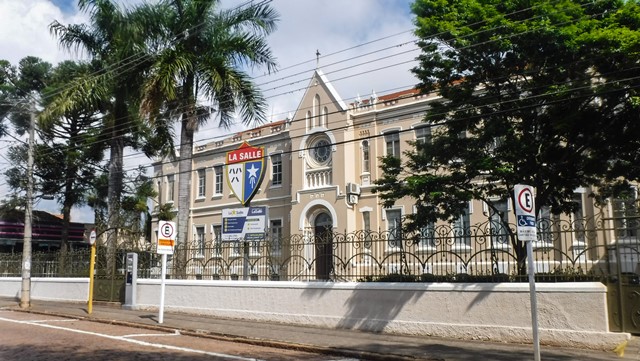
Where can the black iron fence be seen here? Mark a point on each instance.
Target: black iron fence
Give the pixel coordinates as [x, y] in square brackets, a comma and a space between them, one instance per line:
[588, 249]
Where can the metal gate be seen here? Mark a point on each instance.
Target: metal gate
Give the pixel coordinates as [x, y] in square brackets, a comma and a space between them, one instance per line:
[623, 288]
[109, 276]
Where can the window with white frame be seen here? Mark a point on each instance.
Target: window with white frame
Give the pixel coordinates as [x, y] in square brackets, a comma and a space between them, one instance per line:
[577, 218]
[499, 222]
[392, 141]
[423, 136]
[217, 237]
[199, 240]
[276, 235]
[625, 214]
[544, 227]
[202, 183]
[394, 227]
[218, 177]
[366, 155]
[171, 188]
[276, 169]
[427, 236]
[461, 229]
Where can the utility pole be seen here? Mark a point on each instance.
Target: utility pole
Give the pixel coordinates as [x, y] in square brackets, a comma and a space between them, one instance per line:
[25, 293]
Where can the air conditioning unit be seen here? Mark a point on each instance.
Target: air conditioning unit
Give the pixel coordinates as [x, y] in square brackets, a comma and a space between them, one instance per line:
[353, 188]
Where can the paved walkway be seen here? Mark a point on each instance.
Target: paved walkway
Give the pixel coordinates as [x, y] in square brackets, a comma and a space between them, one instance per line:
[344, 343]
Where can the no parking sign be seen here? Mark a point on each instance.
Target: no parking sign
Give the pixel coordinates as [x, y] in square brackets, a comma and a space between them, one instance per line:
[525, 212]
[166, 237]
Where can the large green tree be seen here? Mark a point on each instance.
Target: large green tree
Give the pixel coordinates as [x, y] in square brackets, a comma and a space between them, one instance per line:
[20, 88]
[203, 53]
[543, 93]
[112, 40]
[68, 149]
[72, 145]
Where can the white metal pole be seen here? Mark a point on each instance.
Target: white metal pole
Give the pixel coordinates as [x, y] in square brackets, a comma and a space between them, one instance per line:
[534, 303]
[25, 292]
[162, 277]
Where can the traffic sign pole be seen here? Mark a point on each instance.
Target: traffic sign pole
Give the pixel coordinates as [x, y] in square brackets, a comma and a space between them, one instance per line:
[526, 227]
[534, 303]
[92, 265]
[162, 277]
[166, 242]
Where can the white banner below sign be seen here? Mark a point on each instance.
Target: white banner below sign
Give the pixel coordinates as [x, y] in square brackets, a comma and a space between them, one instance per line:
[244, 224]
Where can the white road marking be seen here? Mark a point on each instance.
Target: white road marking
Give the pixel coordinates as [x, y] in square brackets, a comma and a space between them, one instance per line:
[44, 321]
[175, 333]
[137, 342]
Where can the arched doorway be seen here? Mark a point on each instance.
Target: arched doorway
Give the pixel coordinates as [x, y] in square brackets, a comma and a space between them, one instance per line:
[323, 237]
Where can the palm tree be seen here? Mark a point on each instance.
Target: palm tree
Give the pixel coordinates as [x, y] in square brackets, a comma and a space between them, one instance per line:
[203, 53]
[110, 39]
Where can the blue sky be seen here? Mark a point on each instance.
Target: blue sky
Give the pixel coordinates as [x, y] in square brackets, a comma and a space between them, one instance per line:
[67, 6]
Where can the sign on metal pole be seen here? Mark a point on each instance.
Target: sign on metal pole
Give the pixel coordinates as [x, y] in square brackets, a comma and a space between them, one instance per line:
[166, 237]
[526, 226]
[166, 242]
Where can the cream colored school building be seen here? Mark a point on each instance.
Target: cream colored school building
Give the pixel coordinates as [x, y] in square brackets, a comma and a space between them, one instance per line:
[320, 168]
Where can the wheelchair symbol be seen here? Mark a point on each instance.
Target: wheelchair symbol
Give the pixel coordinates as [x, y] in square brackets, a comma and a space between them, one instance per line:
[526, 221]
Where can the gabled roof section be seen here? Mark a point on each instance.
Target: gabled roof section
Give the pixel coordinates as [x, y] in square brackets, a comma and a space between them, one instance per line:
[331, 89]
[333, 93]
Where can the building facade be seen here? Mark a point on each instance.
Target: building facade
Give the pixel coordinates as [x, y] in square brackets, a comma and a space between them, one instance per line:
[320, 168]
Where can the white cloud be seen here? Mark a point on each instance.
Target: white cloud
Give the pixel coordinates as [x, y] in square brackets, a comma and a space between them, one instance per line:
[25, 30]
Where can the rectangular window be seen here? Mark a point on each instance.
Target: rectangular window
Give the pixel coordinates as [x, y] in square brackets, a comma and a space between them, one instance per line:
[202, 178]
[200, 240]
[423, 135]
[625, 214]
[392, 141]
[462, 229]
[218, 185]
[217, 237]
[276, 169]
[577, 218]
[394, 227]
[499, 222]
[276, 235]
[428, 235]
[171, 186]
[544, 226]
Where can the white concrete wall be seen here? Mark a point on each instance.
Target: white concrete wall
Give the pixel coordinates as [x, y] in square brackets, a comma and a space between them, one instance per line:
[48, 289]
[569, 314]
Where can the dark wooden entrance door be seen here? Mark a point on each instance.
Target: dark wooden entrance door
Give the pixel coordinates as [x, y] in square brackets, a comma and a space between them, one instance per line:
[324, 246]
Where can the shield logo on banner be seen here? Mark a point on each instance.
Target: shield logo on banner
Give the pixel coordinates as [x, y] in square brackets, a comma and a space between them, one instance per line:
[245, 171]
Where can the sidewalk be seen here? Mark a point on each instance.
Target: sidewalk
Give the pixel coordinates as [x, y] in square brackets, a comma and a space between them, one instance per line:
[344, 343]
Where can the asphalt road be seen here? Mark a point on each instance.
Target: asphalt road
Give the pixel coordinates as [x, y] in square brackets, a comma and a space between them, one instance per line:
[33, 337]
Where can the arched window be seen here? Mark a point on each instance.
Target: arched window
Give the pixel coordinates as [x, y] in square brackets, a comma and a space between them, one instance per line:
[309, 120]
[366, 166]
[323, 118]
[316, 111]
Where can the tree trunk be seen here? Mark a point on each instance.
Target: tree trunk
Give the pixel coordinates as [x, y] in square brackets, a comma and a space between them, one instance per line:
[184, 190]
[114, 192]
